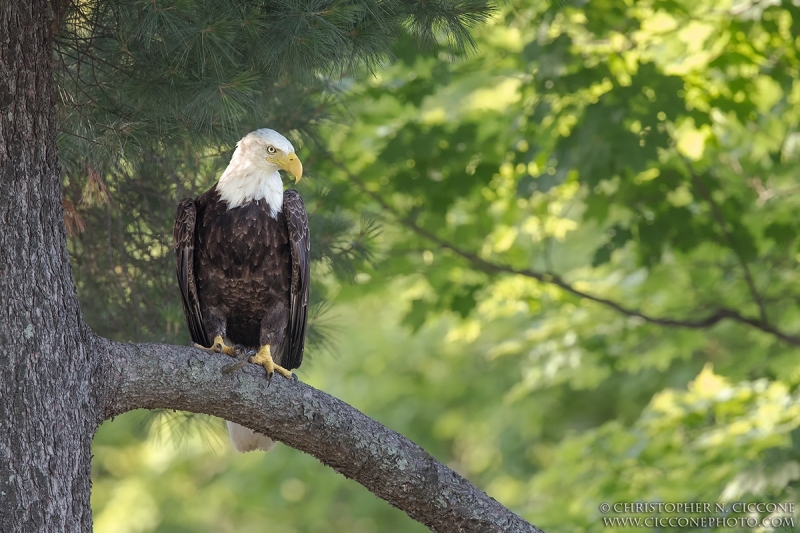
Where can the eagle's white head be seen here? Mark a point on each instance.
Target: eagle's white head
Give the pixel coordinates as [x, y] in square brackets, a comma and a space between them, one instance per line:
[253, 173]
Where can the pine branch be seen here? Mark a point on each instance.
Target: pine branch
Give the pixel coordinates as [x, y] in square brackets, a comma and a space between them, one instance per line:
[386, 463]
[718, 315]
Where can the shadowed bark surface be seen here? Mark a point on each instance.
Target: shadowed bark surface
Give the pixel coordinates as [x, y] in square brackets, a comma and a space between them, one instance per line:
[48, 412]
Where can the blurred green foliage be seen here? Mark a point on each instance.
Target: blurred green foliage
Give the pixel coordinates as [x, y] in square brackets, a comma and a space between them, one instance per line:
[645, 153]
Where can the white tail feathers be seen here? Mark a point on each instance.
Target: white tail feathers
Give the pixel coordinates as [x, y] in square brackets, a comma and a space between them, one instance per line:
[247, 440]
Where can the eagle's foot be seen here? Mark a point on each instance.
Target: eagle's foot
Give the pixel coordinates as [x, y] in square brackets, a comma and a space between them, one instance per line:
[219, 346]
[264, 358]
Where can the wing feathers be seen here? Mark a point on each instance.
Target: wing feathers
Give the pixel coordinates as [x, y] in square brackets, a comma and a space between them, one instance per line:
[300, 244]
[183, 241]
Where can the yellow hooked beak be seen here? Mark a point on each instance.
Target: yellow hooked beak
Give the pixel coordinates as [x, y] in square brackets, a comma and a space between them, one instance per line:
[293, 166]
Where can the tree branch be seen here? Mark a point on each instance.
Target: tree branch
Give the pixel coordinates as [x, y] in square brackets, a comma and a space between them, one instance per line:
[718, 315]
[383, 461]
[716, 212]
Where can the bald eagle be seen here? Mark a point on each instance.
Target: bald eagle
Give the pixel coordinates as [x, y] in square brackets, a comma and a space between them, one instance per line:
[242, 262]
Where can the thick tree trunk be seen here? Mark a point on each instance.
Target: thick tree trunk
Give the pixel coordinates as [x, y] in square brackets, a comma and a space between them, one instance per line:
[46, 403]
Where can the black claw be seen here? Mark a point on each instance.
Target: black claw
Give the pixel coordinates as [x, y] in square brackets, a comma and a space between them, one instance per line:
[269, 378]
[295, 378]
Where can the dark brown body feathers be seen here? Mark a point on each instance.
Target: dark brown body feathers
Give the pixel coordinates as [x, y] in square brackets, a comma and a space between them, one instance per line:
[244, 274]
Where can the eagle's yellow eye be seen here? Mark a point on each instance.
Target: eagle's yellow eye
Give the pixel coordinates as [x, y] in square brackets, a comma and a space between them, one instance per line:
[271, 149]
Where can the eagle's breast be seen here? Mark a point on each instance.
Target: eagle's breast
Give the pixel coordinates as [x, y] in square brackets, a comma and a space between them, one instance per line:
[243, 264]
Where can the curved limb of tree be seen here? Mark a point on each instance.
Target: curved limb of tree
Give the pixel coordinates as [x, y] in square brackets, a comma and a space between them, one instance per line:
[383, 461]
[718, 315]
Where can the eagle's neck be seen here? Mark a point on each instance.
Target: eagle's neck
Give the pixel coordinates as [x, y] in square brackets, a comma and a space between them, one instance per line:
[243, 182]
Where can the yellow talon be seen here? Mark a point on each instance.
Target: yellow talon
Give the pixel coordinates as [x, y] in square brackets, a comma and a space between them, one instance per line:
[218, 346]
[264, 358]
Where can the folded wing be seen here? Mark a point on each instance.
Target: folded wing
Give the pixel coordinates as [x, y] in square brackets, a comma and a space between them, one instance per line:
[183, 241]
[300, 244]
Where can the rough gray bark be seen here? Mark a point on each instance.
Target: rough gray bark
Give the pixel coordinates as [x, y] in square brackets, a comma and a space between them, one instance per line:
[385, 462]
[48, 413]
[58, 381]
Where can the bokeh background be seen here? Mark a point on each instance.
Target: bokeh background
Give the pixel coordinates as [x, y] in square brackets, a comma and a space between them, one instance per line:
[558, 251]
